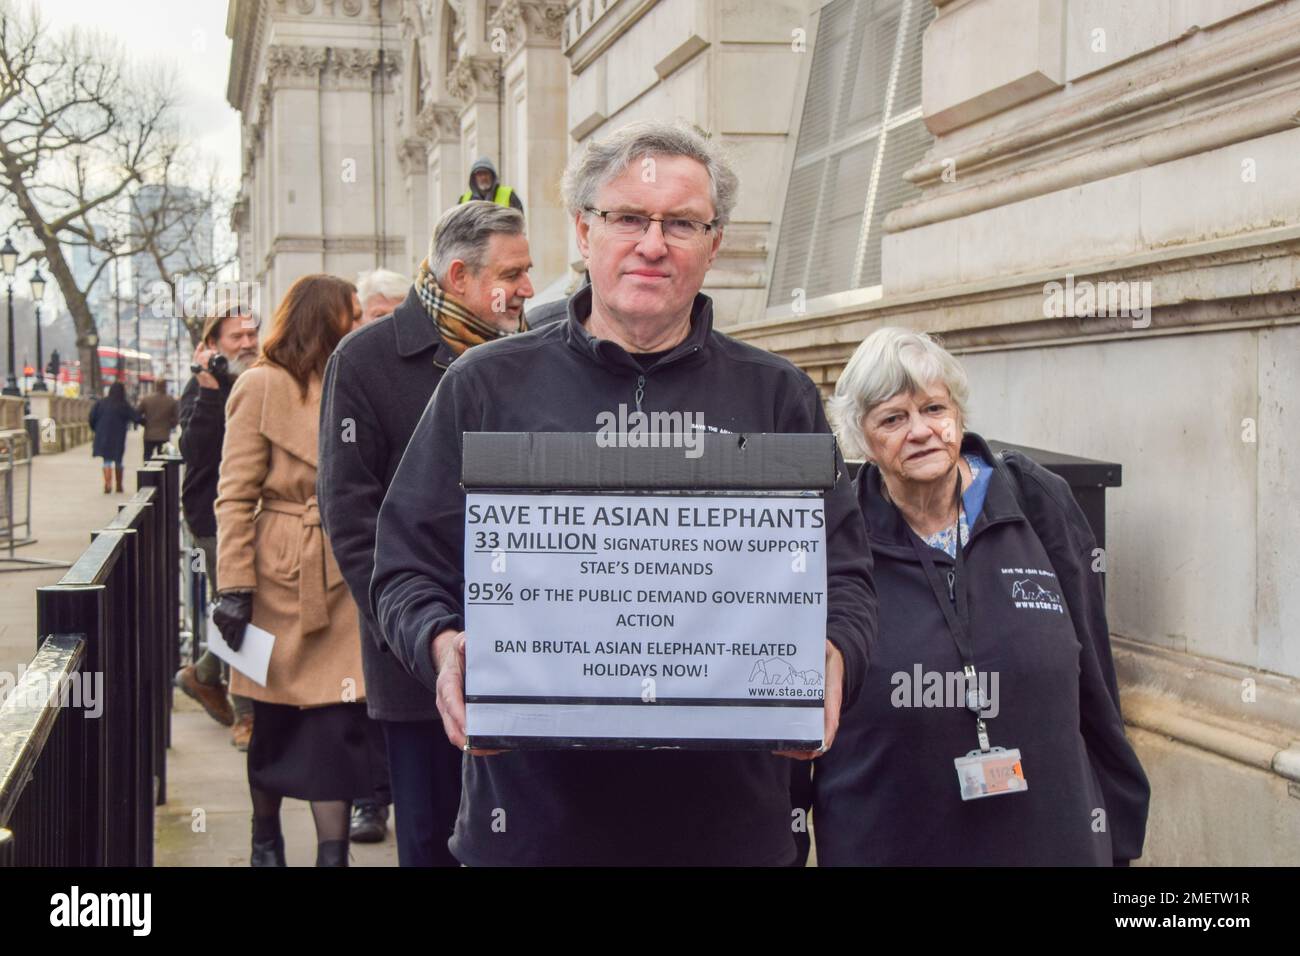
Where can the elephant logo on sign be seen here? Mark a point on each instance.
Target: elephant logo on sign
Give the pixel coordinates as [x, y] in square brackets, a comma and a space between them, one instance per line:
[775, 671]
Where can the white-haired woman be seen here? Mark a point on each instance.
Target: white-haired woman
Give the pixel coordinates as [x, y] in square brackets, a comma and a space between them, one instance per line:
[380, 292]
[988, 731]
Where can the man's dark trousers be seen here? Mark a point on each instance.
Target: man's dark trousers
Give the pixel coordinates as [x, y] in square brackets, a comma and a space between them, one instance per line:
[421, 760]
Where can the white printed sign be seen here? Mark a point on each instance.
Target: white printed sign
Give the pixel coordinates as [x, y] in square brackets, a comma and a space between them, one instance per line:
[664, 620]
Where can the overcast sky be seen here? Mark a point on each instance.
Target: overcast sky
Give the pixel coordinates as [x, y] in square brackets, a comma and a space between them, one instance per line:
[188, 34]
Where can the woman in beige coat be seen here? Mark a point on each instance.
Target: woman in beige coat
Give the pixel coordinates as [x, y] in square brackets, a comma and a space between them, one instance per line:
[310, 733]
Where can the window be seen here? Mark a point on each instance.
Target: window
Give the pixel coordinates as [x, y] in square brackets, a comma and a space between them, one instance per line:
[861, 130]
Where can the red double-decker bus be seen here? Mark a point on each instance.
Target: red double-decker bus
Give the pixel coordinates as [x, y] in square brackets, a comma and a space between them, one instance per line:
[132, 368]
[127, 366]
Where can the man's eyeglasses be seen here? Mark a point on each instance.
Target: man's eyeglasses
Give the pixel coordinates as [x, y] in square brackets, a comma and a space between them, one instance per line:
[631, 225]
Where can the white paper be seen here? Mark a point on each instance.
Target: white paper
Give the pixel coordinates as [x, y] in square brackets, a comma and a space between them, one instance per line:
[253, 659]
[582, 609]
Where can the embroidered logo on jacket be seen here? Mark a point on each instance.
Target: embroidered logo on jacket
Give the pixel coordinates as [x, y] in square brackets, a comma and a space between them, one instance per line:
[1028, 594]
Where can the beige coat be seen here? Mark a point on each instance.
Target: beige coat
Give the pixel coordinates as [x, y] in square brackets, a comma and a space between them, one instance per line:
[269, 538]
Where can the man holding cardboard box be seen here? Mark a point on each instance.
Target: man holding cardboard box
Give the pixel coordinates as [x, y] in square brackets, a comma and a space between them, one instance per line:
[649, 203]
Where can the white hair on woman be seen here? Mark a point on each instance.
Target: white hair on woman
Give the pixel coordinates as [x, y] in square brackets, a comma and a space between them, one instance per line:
[889, 361]
[385, 282]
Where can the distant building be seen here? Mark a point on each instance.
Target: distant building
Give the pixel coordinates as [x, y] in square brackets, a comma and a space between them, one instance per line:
[185, 240]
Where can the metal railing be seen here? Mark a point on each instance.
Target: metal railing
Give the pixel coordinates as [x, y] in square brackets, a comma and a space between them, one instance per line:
[44, 786]
[83, 737]
[16, 503]
[194, 599]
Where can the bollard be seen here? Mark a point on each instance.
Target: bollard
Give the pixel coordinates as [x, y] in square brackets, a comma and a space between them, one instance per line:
[33, 426]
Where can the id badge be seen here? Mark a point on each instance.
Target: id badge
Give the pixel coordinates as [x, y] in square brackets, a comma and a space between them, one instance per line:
[991, 774]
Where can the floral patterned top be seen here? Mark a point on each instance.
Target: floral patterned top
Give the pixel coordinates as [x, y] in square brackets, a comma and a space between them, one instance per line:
[972, 501]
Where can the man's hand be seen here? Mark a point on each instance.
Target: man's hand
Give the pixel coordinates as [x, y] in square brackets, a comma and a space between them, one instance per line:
[448, 650]
[830, 706]
[201, 356]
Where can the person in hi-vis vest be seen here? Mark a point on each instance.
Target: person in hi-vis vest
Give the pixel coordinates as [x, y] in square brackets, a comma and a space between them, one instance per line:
[483, 184]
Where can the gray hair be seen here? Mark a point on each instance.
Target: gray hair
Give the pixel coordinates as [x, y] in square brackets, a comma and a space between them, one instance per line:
[464, 232]
[385, 282]
[601, 160]
[890, 361]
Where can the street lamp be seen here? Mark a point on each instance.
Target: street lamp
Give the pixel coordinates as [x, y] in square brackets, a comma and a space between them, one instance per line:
[9, 262]
[117, 317]
[135, 281]
[38, 293]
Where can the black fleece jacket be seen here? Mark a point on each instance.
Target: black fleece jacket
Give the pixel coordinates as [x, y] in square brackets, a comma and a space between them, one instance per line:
[203, 429]
[887, 793]
[604, 807]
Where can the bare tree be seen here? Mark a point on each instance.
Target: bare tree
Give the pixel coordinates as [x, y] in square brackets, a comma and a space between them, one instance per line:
[77, 132]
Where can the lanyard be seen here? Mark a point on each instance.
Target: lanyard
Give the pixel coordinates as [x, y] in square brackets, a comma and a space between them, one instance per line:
[957, 613]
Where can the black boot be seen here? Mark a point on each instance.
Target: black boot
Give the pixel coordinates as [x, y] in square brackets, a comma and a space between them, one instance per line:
[332, 853]
[268, 852]
[268, 843]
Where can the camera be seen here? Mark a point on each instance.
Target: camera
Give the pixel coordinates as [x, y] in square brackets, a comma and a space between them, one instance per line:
[218, 367]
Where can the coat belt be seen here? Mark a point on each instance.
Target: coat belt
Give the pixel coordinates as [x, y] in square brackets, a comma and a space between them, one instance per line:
[312, 575]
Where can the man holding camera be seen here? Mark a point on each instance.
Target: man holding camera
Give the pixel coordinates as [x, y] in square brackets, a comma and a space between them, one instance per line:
[229, 347]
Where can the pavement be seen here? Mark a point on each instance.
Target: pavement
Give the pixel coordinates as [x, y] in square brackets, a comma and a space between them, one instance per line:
[207, 818]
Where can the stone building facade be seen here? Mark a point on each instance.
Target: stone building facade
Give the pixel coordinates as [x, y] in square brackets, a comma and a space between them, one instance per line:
[1096, 202]
[315, 82]
[1141, 159]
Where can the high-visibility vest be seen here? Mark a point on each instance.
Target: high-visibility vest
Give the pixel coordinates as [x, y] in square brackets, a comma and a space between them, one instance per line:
[502, 197]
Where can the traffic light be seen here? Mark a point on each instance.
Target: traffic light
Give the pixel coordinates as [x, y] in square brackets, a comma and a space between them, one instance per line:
[53, 368]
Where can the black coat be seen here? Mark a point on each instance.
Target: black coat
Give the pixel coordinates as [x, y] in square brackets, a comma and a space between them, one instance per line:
[887, 792]
[605, 807]
[203, 430]
[546, 313]
[109, 421]
[376, 386]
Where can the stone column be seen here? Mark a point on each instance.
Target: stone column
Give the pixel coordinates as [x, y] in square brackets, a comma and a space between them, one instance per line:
[534, 122]
[413, 156]
[439, 125]
[361, 189]
[293, 173]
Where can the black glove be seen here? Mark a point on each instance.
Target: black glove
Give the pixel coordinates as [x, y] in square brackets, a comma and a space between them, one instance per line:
[232, 613]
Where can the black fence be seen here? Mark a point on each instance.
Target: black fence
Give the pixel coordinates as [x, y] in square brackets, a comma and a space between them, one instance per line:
[83, 736]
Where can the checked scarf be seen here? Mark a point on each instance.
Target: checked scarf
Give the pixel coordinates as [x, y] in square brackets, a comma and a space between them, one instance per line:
[460, 328]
